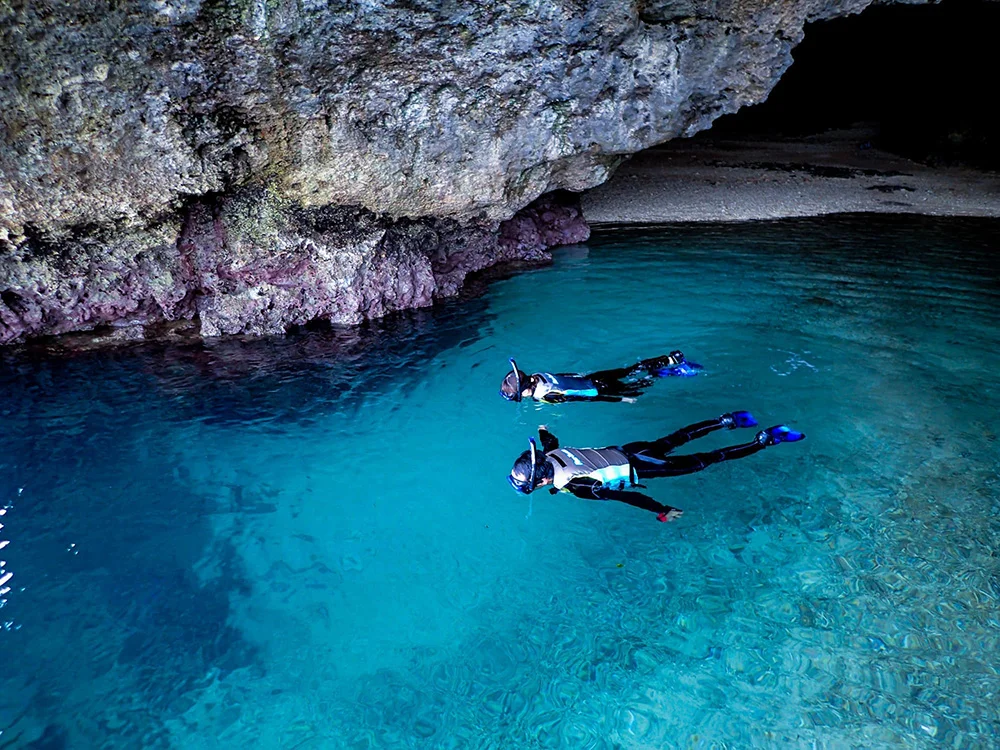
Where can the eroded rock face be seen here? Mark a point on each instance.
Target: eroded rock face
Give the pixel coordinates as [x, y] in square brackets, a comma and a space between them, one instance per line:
[112, 110]
[247, 263]
[117, 117]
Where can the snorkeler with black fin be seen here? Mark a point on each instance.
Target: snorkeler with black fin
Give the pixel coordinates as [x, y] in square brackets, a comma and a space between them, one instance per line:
[622, 384]
[611, 473]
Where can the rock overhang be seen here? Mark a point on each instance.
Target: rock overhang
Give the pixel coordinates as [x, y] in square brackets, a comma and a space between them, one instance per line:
[112, 114]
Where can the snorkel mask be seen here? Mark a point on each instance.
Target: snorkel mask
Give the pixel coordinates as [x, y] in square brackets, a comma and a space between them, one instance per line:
[514, 382]
[526, 486]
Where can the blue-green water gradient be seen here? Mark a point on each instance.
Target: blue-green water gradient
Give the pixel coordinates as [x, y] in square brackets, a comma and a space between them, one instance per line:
[309, 542]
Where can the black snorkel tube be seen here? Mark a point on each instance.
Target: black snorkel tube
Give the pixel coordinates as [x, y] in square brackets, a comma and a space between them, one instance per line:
[527, 486]
[534, 461]
[517, 377]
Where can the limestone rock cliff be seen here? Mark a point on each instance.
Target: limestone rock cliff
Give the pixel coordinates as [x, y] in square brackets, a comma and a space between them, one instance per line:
[124, 124]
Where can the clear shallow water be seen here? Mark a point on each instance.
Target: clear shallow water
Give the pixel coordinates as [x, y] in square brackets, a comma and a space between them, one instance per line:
[309, 542]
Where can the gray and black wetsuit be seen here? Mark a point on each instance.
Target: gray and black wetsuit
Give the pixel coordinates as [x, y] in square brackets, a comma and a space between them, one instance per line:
[610, 473]
[604, 385]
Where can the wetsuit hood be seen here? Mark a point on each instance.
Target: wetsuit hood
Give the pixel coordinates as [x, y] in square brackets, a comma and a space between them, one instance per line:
[527, 486]
[513, 384]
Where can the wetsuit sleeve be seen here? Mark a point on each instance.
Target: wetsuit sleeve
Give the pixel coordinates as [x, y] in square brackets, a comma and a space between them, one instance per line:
[637, 500]
[559, 398]
[549, 441]
[592, 490]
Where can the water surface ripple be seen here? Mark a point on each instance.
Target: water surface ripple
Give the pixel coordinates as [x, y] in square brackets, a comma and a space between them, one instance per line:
[309, 543]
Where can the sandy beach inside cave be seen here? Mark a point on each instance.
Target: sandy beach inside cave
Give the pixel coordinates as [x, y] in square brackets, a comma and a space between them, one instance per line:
[711, 180]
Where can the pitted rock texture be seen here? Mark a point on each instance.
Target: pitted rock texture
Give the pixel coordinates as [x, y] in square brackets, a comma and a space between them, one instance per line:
[119, 119]
[249, 264]
[111, 112]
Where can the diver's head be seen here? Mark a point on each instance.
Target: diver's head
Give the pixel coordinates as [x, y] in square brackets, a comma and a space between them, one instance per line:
[530, 470]
[516, 385]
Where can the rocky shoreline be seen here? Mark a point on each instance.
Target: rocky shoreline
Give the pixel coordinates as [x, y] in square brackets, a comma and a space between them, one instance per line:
[255, 166]
[249, 264]
[252, 264]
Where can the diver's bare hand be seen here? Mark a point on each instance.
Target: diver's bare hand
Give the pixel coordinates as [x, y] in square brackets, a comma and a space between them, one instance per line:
[628, 399]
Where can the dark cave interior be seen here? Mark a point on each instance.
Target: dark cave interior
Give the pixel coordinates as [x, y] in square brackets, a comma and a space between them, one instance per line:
[923, 77]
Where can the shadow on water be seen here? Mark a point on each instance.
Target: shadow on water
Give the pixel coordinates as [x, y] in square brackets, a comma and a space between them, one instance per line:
[108, 605]
[885, 235]
[233, 380]
[122, 588]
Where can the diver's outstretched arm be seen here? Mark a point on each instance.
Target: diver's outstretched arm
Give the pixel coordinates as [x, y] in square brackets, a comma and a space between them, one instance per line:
[594, 491]
[607, 397]
[638, 500]
[549, 441]
[562, 398]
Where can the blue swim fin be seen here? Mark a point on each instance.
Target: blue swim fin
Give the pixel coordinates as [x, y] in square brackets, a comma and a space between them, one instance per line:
[743, 419]
[680, 370]
[782, 434]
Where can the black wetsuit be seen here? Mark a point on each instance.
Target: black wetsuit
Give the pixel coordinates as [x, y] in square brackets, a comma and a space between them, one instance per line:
[613, 385]
[652, 459]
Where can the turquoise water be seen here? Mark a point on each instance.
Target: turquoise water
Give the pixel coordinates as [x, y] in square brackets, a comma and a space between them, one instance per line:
[309, 542]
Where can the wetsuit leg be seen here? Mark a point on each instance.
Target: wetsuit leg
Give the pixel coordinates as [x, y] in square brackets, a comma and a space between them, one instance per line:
[693, 432]
[656, 450]
[649, 465]
[617, 390]
[633, 380]
[618, 374]
[660, 363]
[645, 367]
[611, 383]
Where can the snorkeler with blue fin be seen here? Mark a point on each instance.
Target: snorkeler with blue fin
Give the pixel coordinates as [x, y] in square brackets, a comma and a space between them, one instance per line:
[611, 473]
[622, 384]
